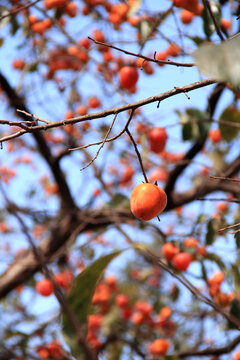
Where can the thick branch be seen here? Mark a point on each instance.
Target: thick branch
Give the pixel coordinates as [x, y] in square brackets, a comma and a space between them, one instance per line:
[23, 269]
[210, 351]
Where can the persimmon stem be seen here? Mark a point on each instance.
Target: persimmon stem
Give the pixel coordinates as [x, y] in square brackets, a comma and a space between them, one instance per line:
[138, 154]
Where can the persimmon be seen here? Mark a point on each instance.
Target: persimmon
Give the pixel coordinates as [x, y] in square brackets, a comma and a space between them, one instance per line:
[226, 24]
[71, 9]
[138, 318]
[161, 55]
[69, 114]
[18, 64]
[98, 35]
[190, 242]
[147, 201]
[159, 347]
[128, 77]
[186, 16]
[181, 261]
[215, 135]
[222, 207]
[44, 287]
[157, 138]
[159, 174]
[121, 300]
[85, 43]
[173, 50]
[216, 278]
[94, 102]
[169, 251]
[32, 19]
[81, 110]
[236, 355]
[101, 295]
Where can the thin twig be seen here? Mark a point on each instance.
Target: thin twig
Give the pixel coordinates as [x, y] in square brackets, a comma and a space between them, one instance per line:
[102, 144]
[138, 154]
[229, 227]
[14, 12]
[147, 58]
[224, 178]
[35, 117]
[218, 199]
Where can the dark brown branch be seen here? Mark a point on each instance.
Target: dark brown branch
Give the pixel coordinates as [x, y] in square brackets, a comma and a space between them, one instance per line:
[210, 351]
[24, 268]
[89, 354]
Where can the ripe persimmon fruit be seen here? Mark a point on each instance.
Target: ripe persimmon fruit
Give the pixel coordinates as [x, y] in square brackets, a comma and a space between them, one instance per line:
[181, 261]
[44, 287]
[159, 347]
[169, 251]
[147, 201]
[157, 138]
[128, 77]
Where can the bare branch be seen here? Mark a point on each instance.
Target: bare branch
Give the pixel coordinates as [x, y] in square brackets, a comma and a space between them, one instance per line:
[147, 58]
[105, 113]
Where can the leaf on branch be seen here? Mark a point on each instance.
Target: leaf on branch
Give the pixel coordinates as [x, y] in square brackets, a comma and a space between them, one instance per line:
[194, 124]
[234, 311]
[83, 289]
[237, 239]
[208, 25]
[119, 201]
[211, 232]
[222, 62]
[204, 271]
[216, 259]
[236, 278]
[229, 132]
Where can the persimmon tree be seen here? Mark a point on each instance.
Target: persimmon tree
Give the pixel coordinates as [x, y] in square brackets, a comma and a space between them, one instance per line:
[97, 98]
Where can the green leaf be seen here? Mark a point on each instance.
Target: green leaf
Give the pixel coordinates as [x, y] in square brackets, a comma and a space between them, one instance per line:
[216, 259]
[222, 62]
[236, 277]
[204, 271]
[194, 124]
[234, 311]
[187, 132]
[14, 25]
[208, 25]
[83, 289]
[196, 39]
[230, 114]
[118, 201]
[237, 239]
[211, 233]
